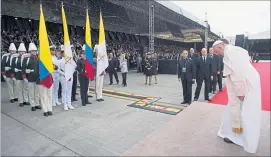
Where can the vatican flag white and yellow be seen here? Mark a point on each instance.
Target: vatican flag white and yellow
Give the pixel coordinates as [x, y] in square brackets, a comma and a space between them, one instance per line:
[67, 49]
[102, 59]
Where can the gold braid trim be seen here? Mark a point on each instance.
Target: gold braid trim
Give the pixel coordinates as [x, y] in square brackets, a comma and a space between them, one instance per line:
[237, 130]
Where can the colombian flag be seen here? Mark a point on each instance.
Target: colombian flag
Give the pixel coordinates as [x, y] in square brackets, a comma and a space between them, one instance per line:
[46, 63]
[102, 59]
[67, 48]
[88, 49]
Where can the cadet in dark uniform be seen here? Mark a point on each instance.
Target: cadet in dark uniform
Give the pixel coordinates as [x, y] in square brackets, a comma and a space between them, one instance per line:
[83, 79]
[30, 74]
[186, 74]
[148, 68]
[74, 83]
[22, 86]
[155, 66]
[112, 68]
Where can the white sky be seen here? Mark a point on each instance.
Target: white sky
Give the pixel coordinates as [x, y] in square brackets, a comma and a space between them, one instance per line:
[231, 17]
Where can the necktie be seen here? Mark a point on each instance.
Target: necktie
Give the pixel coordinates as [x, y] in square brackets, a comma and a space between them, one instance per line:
[204, 59]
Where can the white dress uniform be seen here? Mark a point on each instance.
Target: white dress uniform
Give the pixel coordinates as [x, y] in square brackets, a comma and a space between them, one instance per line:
[11, 81]
[56, 80]
[66, 85]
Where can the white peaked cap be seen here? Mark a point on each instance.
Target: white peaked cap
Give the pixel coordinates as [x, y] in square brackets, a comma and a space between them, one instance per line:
[217, 42]
[32, 47]
[52, 47]
[12, 47]
[72, 46]
[84, 47]
[22, 48]
[61, 47]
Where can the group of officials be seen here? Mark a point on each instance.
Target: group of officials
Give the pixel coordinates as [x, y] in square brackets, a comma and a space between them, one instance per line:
[21, 72]
[193, 67]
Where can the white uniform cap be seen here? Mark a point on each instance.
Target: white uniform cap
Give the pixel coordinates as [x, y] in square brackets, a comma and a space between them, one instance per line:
[62, 48]
[22, 48]
[72, 46]
[52, 47]
[12, 47]
[84, 47]
[217, 42]
[32, 47]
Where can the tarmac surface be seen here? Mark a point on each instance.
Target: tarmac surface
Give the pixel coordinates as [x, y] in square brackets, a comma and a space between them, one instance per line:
[108, 128]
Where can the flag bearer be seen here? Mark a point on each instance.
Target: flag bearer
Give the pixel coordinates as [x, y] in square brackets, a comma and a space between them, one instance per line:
[8, 73]
[30, 74]
[56, 77]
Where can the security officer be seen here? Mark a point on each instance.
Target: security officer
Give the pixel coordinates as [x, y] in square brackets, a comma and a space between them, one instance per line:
[186, 74]
[74, 84]
[8, 73]
[83, 79]
[30, 74]
[22, 86]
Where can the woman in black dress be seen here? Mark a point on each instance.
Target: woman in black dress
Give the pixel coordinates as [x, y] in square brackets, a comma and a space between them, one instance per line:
[148, 68]
[155, 66]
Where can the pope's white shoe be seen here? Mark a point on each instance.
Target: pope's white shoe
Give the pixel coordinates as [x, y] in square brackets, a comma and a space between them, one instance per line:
[66, 108]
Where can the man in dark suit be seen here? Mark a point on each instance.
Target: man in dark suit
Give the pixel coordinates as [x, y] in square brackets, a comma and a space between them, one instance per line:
[112, 68]
[193, 55]
[203, 73]
[220, 72]
[215, 69]
[186, 73]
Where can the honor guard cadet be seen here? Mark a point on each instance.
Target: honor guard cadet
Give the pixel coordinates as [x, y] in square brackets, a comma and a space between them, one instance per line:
[56, 76]
[22, 86]
[187, 74]
[30, 74]
[83, 79]
[84, 48]
[8, 73]
[155, 66]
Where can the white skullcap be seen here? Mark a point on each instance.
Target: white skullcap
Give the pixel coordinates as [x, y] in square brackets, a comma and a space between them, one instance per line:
[32, 47]
[52, 47]
[12, 47]
[217, 42]
[22, 48]
[72, 46]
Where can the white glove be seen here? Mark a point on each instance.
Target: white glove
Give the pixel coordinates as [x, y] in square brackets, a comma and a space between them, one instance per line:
[194, 80]
[5, 78]
[27, 71]
[16, 70]
[7, 68]
[25, 80]
[14, 79]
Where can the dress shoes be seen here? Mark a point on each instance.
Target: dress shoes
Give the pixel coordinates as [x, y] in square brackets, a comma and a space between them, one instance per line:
[195, 99]
[208, 99]
[189, 102]
[26, 103]
[49, 113]
[33, 108]
[45, 114]
[184, 102]
[12, 101]
[21, 104]
[16, 99]
[38, 107]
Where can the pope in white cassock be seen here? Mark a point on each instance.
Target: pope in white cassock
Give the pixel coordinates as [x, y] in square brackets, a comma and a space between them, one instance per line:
[241, 121]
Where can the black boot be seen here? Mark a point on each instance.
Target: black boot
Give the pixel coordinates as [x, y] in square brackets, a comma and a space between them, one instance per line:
[45, 114]
[21, 104]
[49, 113]
[38, 107]
[16, 99]
[33, 108]
[12, 101]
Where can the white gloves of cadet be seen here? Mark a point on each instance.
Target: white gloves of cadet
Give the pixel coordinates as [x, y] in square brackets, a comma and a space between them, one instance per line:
[7, 68]
[27, 71]
[25, 80]
[16, 70]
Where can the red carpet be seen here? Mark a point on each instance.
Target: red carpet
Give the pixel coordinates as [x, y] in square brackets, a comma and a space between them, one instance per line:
[264, 70]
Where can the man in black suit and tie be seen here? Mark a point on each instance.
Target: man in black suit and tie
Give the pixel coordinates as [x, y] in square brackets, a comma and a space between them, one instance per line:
[186, 73]
[193, 55]
[112, 68]
[203, 72]
[215, 70]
